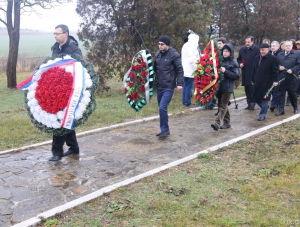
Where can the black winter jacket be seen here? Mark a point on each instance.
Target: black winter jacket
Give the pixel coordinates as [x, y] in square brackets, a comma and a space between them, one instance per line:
[291, 61]
[168, 69]
[70, 47]
[247, 56]
[231, 73]
[264, 75]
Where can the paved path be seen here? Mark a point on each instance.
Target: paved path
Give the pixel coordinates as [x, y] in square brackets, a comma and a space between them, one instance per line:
[30, 185]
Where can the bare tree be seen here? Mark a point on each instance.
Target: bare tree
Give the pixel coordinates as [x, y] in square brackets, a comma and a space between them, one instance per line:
[11, 11]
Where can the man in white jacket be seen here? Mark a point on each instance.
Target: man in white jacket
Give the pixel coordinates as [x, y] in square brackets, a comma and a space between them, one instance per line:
[190, 53]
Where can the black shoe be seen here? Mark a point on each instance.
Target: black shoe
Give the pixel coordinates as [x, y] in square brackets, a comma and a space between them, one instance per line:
[69, 152]
[279, 113]
[55, 158]
[261, 118]
[272, 109]
[229, 103]
[163, 135]
[295, 110]
[247, 108]
[251, 106]
[215, 127]
[216, 114]
[225, 126]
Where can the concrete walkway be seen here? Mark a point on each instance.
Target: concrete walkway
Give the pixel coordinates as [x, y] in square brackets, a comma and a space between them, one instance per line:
[30, 184]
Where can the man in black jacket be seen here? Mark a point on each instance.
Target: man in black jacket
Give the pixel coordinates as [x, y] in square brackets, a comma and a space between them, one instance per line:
[246, 63]
[65, 44]
[265, 74]
[289, 67]
[275, 50]
[169, 74]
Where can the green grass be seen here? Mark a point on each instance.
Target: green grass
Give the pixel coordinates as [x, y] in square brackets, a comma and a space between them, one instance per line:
[112, 108]
[241, 185]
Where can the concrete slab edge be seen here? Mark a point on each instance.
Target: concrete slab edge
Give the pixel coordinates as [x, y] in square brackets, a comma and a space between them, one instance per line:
[97, 130]
[96, 194]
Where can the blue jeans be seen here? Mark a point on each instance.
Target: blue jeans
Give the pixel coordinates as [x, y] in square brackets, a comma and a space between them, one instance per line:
[264, 105]
[164, 98]
[188, 84]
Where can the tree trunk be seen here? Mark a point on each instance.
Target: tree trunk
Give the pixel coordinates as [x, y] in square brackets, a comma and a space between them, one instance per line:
[13, 29]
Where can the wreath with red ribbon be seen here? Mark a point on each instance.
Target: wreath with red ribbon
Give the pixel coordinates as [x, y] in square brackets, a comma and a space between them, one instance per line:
[208, 76]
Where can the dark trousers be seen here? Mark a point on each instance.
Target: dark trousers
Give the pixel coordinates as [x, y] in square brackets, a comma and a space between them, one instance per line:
[188, 84]
[293, 99]
[58, 143]
[264, 105]
[164, 98]
[223, 115]
[249, 94]
[275, 97]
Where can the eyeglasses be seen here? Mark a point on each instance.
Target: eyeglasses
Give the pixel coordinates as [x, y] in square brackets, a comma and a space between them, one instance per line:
[161, 44]
[58, 33]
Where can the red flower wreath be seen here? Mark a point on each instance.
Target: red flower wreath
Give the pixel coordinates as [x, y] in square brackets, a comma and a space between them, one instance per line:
[206, 81]
[54, 89]
[139, 72]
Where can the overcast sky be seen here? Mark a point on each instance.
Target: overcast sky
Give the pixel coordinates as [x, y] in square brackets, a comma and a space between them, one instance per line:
[48, 19]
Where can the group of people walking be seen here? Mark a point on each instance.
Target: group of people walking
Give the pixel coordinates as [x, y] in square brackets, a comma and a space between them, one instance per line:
[262, 67]
[268, 70]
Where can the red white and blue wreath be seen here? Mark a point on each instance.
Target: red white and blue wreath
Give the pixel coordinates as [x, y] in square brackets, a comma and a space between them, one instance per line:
[139, 80]
[60, 95]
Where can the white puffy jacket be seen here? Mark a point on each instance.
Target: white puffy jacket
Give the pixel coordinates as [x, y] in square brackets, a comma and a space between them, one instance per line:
[190, 55]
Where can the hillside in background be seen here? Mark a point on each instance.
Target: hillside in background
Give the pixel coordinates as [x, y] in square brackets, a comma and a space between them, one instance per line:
[32, 42]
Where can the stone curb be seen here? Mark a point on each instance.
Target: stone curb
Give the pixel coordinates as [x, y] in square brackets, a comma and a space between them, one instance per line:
[99, 130]
[50, 213]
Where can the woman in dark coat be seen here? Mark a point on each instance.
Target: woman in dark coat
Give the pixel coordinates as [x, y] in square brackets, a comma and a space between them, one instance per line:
[265, 74]
[231, 73]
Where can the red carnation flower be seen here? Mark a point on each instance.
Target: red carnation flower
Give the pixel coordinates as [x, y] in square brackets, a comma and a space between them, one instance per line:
[210, 62]
[140, 80]
[144, 73]
[203, 63]
[142, 89]
[207, 70]
[132, 75]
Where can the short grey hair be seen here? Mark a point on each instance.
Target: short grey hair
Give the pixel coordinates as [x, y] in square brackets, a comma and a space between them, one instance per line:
[275, 42]
[288, 41]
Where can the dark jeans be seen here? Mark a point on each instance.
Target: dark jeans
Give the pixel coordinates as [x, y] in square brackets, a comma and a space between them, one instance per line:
[293, 99]
[249, 94]
[264, 105]
[164, 98]
[58, 143]
[223, 115]
[188, 84]
[275, 97]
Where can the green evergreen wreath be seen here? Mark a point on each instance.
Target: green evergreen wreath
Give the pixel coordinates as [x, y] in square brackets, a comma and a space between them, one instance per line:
[91, 106]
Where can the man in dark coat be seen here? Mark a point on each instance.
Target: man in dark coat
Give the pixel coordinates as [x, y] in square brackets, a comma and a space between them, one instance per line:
[289, 67]
[169, 75]
[246, 62]
[275, 50]
[265, 74]
[65, 44]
